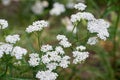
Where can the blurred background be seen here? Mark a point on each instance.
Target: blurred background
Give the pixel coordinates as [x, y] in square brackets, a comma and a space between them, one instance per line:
[104, 60]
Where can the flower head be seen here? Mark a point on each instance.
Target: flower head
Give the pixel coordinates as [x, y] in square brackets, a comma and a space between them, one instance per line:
[46, 75]
[99, 26]
[39, 6]
[79, 56]
[3, 24]
[63, 41]
[12, 38]
[34, 59]
[80, 6]
[57, 9]
[80, 48]
[37, 26]
[18, 52]
[46, 48]
[92, 40]
[6, 48]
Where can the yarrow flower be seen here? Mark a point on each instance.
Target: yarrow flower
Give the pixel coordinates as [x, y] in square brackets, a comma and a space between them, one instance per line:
[12, 38]
[34, 59]
[3, 24]
[92, 40]
[46, 75]
[18, 52]
[87, 16]
[50, 56]
[39, 6]
[80, 55]
[59, 50]
[61, 37]
[57, 9]
[37, 26]
[64, 62]
[6, 48]
[45, 59]
[9, 49]
[51, 66]
[46, 48]
[53, 58]
[80, 48]
[80, 6]
[75, 17]
[63, 41]
[99, 26]
[81, 15]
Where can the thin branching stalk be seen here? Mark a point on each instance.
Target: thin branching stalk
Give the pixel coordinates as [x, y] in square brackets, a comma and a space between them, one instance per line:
[38, 37]
[114, 41]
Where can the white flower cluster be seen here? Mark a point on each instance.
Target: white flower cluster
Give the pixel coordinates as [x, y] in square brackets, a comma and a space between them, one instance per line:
[81, 48]
[37, 26]
[46, 75]
[5, 49]
[59, 50]
[12, 38]
[80, 6]
[92, 40]
[64, 62]
[63, 41]
[57, 9]
[82, 15]
[52, 59]
[98, 26]
[18, 52]
[46, 48]
[8, 48]
[80, 55]
[51, 66]
[6, 2]
[39, 6]
[34, 59]
[3, 24]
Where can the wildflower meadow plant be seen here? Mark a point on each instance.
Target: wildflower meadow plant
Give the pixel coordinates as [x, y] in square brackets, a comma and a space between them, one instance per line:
[45, 61]
[57, 9]
[39, 6]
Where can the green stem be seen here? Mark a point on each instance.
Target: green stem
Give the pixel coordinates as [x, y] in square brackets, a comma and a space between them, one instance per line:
[74, 70]
[73, 29]
[106, 9]
[75, 25]
[6, 69]
[38, 37]
[114, 41]
[33, 72]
